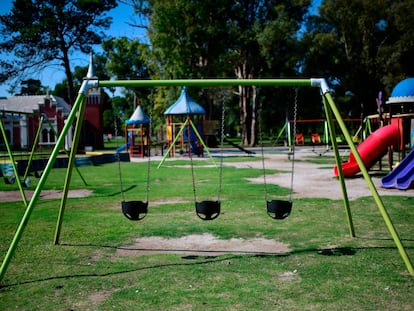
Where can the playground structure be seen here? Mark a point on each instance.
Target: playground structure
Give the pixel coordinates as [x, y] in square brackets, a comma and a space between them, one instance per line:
[181, 128]
[315, 136]
[395, 133]
[78, 112]
[371, 150]
[137, 134]
[401, 177]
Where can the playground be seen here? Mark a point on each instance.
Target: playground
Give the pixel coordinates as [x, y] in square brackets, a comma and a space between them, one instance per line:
[327, 249]
[169, 259]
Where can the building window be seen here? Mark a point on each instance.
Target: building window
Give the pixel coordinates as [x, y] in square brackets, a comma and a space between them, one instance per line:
[47, 136]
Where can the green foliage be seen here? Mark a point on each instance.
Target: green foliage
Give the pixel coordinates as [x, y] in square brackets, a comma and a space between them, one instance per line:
[363, 47]
[40, 33]
[31, 87]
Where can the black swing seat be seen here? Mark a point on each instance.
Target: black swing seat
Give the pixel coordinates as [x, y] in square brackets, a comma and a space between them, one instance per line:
[134, 210]
[208, 210]
[278, 209]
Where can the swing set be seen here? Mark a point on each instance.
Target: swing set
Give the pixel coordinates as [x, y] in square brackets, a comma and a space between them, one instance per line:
[24, 181]
[77, 113]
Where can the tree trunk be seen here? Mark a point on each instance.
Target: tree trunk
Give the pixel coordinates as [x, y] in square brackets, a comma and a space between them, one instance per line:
[246, 116]
[253, 118]
[69, 78]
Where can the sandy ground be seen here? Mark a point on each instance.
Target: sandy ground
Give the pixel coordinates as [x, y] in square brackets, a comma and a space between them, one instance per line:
[12, 196]
[309, 181]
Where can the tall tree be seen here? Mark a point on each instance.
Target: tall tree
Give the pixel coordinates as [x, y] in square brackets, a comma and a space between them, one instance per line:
[40, 33]
[125, 60]
[199, 39]
[362, 46]
[31, 87]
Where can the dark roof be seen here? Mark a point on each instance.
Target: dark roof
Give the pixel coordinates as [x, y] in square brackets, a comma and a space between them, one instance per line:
[31, 103]
[185, 105]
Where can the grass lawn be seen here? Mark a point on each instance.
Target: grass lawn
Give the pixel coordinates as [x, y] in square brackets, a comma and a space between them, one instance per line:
[325, 269]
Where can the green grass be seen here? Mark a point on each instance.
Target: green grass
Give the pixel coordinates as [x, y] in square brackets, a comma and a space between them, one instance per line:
[325, 269]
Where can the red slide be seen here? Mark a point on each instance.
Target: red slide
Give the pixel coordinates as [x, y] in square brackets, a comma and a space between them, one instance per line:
[371, 149]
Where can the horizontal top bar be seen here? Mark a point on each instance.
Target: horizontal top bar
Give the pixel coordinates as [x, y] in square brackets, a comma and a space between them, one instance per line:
[207, 82]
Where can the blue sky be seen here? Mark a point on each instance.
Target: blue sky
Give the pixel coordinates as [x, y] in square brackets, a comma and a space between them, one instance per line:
[122, 15]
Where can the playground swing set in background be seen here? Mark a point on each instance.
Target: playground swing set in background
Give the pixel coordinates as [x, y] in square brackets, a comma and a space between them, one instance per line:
[77, 114]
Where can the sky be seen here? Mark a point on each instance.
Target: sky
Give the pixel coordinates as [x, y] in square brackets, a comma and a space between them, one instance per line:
[121, 16]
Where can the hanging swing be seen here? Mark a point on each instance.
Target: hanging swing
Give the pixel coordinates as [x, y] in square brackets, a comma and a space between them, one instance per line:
[135, 210]
[280, 209]
[209, 209]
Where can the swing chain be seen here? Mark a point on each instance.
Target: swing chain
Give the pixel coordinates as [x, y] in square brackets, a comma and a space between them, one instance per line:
[191, 160]
[149, 145]
[223, 110]
[223, 113]
[262, 149]
[117, 154]
[295, 112]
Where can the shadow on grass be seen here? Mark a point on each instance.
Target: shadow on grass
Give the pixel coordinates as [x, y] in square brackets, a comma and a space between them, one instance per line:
[193, 260]
[123, 190]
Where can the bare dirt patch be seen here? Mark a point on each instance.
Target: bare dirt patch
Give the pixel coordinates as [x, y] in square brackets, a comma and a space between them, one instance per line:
[312, 180]
[202, 245]
[13, 196]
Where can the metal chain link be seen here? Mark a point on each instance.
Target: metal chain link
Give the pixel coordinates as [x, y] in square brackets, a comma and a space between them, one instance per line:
[295, 112]
[118, 156]
[262, 150]
[223, 113]
[191, 159]
[149, 146]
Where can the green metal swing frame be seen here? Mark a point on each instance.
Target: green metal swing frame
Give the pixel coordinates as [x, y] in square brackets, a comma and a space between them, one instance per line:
[77, 113]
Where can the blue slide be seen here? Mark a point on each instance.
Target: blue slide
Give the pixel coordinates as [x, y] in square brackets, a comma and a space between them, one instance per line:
[401, 177]
[122, 148]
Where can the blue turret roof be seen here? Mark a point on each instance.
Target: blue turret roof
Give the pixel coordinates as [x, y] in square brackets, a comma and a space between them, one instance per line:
[403, 92]
[138, 117]
[185, 105]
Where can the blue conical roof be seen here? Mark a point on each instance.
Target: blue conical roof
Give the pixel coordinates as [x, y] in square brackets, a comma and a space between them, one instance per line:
[185, 105]
[138, 117]
[403, 92]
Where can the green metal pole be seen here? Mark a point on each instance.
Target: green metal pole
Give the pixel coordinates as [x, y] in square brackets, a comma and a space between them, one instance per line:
[371, 186]
[173, 143]
[331, 128]
[67, 153]
[325, 124]
[36, 194]
[36, 140]
[202, 142]
[281, 132]
[69, 170]
[208, 82]
[16, 173]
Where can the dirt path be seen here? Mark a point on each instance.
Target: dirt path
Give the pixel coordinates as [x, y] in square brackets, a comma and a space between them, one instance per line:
[13, 196]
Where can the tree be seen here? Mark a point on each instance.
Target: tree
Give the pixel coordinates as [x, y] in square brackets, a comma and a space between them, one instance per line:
[125, 60]
[40, 33]
[201, 39]
[362, 46]
[31, 87]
